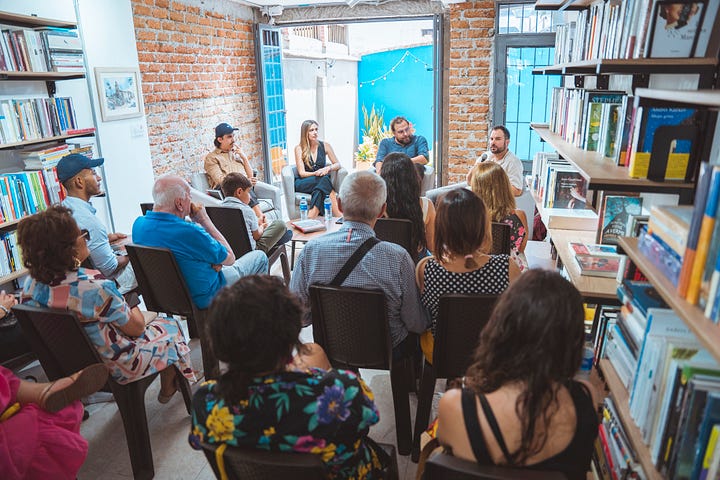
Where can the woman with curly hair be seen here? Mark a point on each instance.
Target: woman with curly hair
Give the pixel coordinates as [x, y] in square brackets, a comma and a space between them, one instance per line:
[520, 406]
[311, 161]
[53, 247]
[404, 200]
[277, 394]
[490, 182]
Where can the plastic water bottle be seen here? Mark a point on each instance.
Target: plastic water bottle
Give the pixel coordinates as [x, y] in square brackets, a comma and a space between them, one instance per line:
[303, 209]
[328, 209]
[587, 360]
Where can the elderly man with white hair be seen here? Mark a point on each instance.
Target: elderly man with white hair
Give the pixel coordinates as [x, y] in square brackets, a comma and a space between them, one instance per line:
[204, 256]
[385, 265]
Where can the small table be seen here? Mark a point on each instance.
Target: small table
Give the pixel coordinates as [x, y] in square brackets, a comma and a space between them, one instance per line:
[299, 236]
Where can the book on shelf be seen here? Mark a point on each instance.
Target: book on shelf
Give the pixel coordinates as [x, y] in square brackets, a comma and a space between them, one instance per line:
[664, 258]
[671, 224]
[635, 224]
[567, 189]
[43, 49]
[674, 28]
[36, 118]
[623, 455]
[707, 226]
[711, 459]
[595, 266]
[701, 194]
[595, 111]
[593, 250]
[614, 216]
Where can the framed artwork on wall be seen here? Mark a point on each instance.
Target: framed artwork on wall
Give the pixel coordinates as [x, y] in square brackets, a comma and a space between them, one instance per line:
[119, 93]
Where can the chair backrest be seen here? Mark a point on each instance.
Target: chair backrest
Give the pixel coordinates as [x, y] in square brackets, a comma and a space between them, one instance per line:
[231, 223]
[398, 231]
[160, 280]
[351, 325]
[145, 207]
[461, 318]
[500, 238]
[253, 464]
[441, 466]
[57, 338]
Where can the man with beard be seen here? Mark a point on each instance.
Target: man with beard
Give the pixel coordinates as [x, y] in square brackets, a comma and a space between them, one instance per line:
[404, 141]
[499, 153]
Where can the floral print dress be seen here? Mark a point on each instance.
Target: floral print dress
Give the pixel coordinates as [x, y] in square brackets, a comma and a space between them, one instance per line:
[517, 235]
[327, 413]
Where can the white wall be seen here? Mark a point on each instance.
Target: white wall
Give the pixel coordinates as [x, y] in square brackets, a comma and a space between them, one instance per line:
[109, 40]
[378, 36]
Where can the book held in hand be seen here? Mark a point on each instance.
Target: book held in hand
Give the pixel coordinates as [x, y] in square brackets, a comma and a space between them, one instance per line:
[309, 226]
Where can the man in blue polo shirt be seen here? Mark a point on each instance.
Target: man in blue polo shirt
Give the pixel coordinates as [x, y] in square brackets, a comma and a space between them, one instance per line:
[204, 256]
[403, 140]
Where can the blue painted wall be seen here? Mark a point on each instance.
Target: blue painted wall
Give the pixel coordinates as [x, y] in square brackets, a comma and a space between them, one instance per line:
[402, 87]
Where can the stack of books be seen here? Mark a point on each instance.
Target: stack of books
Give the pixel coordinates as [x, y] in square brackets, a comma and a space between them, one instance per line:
[45, 49]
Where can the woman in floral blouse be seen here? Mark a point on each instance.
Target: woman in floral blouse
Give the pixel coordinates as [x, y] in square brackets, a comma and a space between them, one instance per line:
[273, 401]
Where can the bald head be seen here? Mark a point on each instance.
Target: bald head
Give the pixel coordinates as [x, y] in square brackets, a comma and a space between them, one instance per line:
[166, 192]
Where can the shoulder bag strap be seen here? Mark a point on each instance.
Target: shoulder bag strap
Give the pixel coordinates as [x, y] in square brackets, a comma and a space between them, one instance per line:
[353, 261]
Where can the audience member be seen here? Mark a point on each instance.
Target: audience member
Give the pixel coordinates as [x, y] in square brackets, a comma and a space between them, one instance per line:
[385, 266]
[77, 174]
[490, 182]
[40, 424]
[404, 200]
[313, 172]
[499, 153]
[461, 263]
[204, 256]
[236, 188]
[322, 411]
[53, 247]
[227, 158]
[404, 141]
[533, 413]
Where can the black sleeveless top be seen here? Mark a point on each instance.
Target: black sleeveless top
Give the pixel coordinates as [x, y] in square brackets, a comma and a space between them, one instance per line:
[574, 461]
[319, 162]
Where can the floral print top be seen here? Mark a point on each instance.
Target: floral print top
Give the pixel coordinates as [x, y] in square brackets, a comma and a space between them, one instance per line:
[327, 413]
[517, 235]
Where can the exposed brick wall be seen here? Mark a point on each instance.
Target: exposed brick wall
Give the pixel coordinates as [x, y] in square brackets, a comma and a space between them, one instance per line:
[470, 79]
[198, 69]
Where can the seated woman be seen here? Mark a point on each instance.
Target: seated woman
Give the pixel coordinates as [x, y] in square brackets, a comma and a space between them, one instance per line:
[490, 182]
[532, 413]
[270, 401]
[314, 174]
[40, 424]
[404, 200]
[461, 263]
[53, 247]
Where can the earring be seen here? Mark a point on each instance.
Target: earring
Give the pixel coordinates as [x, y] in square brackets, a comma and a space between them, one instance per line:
[76, 262]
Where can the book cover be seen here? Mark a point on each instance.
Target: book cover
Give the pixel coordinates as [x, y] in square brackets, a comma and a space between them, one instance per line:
[569, 190]
[594, 266]
[674, 28]
[711, 10]
[710, 418]
[701, 192]
[671, 223]
[707, 225]
[642, 294]
[711, 460]
[616, 209]
[593, 249]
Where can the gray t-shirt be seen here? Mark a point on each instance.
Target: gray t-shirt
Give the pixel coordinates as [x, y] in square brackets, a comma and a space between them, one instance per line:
[251, 220]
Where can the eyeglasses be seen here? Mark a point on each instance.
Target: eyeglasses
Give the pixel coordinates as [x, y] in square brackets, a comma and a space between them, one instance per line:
[85, 234]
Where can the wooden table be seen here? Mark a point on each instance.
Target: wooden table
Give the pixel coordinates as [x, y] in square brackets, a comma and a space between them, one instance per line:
[299, 236]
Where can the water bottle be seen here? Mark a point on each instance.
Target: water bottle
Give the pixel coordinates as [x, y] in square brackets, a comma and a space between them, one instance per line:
[587, 359]
[303, 209]
[328, 209]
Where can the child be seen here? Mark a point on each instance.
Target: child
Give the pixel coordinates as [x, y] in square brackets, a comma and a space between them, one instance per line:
[236, 188]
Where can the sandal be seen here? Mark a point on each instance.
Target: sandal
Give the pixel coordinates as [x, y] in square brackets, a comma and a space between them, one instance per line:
[166, 398]
[86, 381]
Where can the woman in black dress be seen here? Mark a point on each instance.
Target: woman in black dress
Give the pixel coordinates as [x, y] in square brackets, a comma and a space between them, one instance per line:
[313, 171]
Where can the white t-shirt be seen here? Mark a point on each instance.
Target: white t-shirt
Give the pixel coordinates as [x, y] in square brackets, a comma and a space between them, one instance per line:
[512, 165]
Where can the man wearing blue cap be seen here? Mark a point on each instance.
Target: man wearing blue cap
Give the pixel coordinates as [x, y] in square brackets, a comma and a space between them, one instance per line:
[77, 174]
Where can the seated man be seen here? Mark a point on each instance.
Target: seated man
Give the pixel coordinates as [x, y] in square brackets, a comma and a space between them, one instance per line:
[500, 154]
[226, 158]
[236, 188]
[204, 256]
[403, 141]
[386, 266]
[77, 174]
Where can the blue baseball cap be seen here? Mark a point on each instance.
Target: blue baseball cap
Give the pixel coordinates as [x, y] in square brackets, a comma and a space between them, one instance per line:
[223, 129]
[71, 165]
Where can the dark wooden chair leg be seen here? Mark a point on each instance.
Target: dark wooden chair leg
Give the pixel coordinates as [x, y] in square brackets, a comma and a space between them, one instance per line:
[185, 390]
[399, 380]
[210, 365]
[130, 400]
[422, 416]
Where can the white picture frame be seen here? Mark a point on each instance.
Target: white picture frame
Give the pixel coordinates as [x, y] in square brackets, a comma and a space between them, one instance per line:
[119, 93]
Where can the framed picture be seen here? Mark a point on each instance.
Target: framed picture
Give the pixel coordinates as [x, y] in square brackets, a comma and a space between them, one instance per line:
[674, 28]
[119, 93]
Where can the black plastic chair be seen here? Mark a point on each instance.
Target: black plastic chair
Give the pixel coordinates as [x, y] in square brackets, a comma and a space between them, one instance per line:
[60, 343]
[352, 327]
[501, 238]
[231, 223]
[441, 466]
[145, 207]
[164, 290]
[461, 318]
[398, 231]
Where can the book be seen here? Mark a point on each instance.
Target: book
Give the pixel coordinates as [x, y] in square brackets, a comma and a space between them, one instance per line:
[710, 211]
[569, 190]
[711, 459]
[671, 224]
[309, 225]
[701, 192]
[674, 28]
[595, 266]
[710, 418]
[593, 249]
[615, 211]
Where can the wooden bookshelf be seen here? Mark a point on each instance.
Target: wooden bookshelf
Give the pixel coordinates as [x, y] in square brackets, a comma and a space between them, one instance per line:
[593, 289]
[31, 21]
[43, 140]
[588, 217]
[621, 401]
[47, 76]
[13, 276]
[559, 5]
[600, 172]
[705, 98]
[707, 332]
[632, 66]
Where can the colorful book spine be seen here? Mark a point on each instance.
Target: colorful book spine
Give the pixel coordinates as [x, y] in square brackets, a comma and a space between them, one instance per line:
[701, 193]
[703, 242]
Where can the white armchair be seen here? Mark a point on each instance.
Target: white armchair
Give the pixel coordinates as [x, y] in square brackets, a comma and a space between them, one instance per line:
[292, 198]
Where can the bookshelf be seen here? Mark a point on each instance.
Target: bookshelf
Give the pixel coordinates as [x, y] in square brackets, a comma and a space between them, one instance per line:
[30, 21]
[44, 140]
[631, 66]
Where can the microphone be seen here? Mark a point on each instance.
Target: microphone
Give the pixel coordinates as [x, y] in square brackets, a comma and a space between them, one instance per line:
[483, 157]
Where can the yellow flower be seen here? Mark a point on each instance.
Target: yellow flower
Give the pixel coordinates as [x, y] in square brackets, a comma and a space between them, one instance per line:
[366, 390]
[269, 432]
[327, 453]
[198, 433]
[220, 424]
[363, 470]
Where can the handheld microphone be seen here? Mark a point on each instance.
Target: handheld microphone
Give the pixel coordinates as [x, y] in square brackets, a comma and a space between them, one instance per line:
[483, 157]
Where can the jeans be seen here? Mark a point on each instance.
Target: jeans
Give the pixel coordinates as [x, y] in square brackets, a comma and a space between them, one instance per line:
[249, 264]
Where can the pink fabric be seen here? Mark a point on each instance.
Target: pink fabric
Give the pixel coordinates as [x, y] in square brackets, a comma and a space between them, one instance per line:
[35, 444]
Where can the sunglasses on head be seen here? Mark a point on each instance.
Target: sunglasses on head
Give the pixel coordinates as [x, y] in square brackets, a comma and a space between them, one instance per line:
[84, 233]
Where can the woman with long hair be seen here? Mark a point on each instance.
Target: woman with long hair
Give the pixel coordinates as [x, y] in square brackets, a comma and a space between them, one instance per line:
[277, 394]
[520, 406]
[490, 182]
[311, 161]
[461, 263]
[53, 247]
[404, 200]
